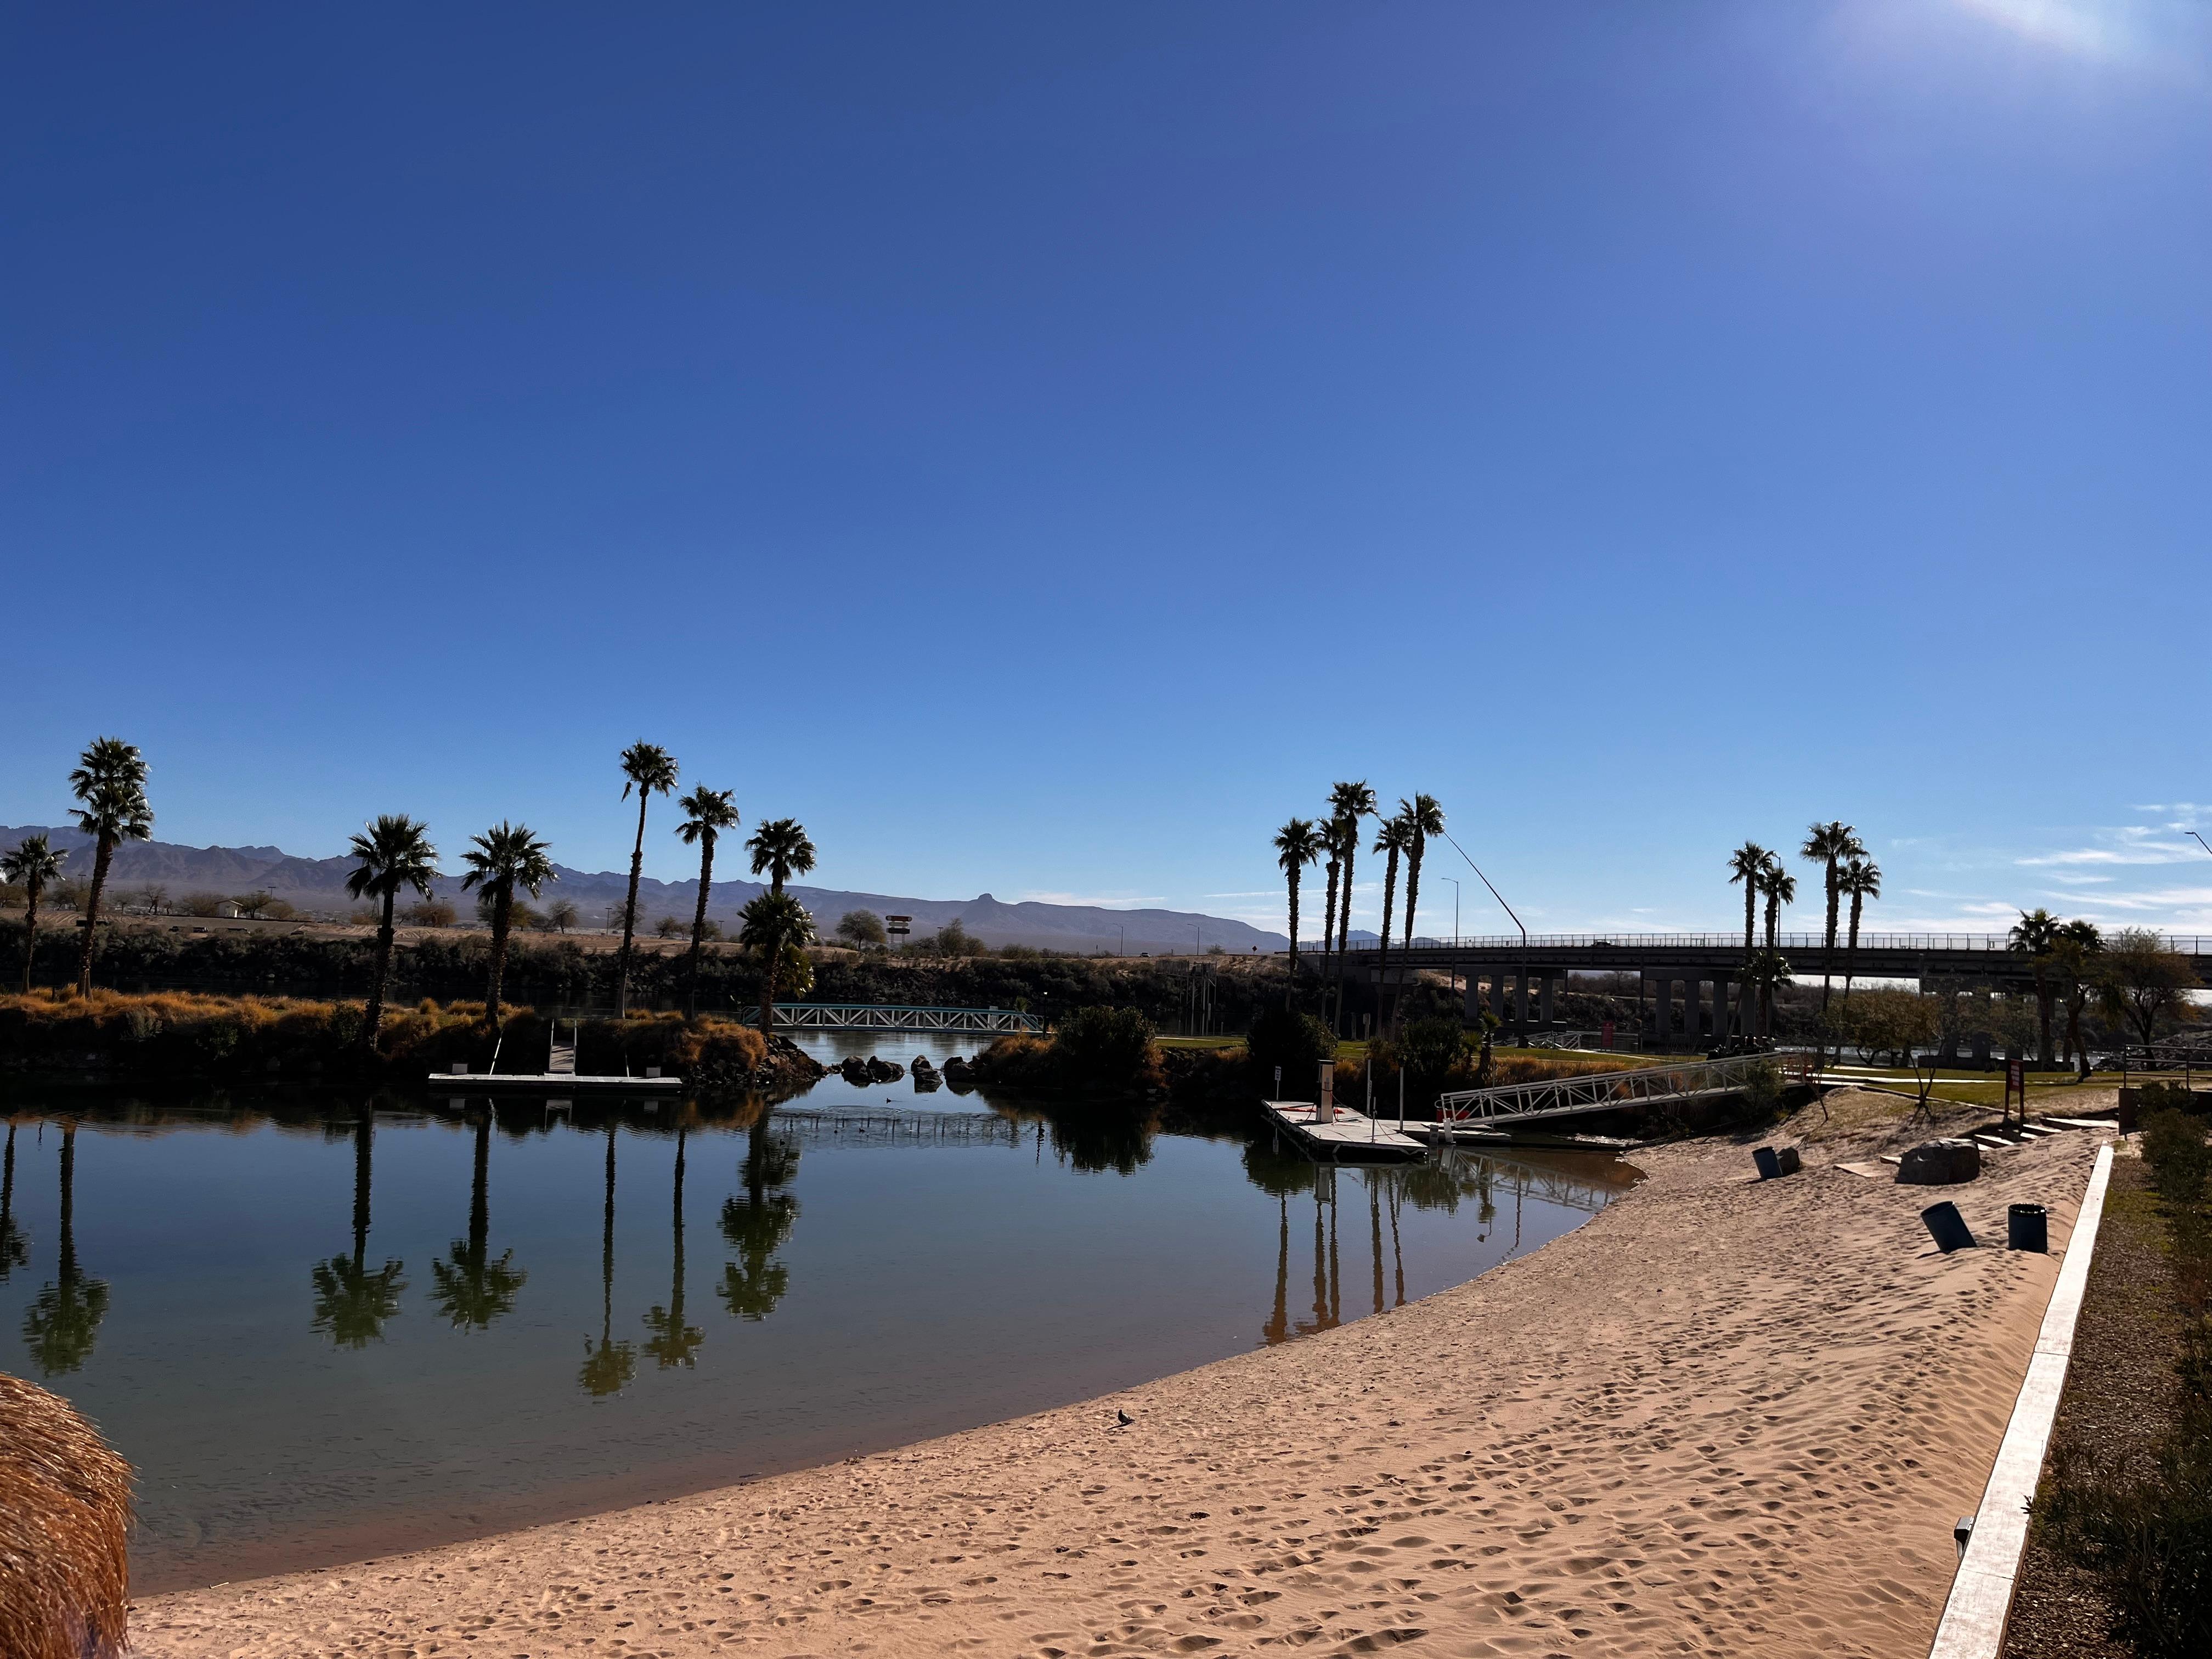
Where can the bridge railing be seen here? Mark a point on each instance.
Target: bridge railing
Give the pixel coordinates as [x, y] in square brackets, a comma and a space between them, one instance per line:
[1599, 1090]
[2187, 945]
[891, 1017]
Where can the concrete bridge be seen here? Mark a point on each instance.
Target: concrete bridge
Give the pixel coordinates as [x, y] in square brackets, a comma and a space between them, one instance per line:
[891, 1017]
[1524, 976]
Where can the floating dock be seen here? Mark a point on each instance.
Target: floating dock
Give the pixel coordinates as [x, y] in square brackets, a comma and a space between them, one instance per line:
[485, 1083]
[1348, 1137]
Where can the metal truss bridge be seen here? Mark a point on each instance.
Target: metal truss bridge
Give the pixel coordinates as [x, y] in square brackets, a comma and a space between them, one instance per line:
[891, 1017]
[1599, 1091]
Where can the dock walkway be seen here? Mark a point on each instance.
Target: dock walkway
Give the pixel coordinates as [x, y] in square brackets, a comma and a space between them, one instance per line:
[1349, 1137]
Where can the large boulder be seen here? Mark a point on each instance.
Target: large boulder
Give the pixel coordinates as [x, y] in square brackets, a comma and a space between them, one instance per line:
[1939, 1164]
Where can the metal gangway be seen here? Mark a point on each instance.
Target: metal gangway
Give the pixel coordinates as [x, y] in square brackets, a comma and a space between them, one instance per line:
[889, 1017]
[1601, 1091]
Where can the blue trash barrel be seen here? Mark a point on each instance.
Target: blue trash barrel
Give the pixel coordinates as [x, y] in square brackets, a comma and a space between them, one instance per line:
[1769, 1165]
[2028, 1227]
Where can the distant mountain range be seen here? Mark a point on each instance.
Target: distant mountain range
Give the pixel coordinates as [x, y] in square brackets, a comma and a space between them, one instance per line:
[318, 886]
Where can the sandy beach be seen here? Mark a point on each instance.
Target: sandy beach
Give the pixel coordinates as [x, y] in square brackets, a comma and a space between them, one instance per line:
[1721, 1417]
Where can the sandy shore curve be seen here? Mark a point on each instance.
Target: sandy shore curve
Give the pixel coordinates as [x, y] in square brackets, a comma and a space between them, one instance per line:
[1719, 1418]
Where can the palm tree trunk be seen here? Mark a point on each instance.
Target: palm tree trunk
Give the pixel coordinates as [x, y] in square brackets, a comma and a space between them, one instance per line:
[629, 912]
[1383, 944]
[30, 935]
[1291, 990]
[1328, 921]
[1412, 896]
[1829, 940]
[1851, 956]
[1344, 921]
[502, 908]
[770, 954]
[1743, 1021]
[364, 1131]
[373, 1016]
[699, 923]
[103, 854]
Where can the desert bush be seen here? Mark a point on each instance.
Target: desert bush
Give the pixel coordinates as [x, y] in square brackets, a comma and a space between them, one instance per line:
[671, 928]
[200, 904]
[430, 913]
[861, 928]
[1297, 1043]
[2173, 1145]
[1107, 1048]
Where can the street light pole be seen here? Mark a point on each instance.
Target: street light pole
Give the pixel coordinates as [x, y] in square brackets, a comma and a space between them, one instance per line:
[1521, 1009]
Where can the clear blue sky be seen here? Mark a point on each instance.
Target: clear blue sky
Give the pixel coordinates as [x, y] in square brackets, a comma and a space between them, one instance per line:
[1042, 446]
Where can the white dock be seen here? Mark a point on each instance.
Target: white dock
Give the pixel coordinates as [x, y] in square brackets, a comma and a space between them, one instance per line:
[1349, 1137]
[481, 1083]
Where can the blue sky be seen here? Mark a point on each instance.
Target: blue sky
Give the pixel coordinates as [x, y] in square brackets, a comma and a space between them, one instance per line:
[1042, 447]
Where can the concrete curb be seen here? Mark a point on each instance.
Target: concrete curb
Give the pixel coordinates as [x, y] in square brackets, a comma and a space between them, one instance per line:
[1980, 1604]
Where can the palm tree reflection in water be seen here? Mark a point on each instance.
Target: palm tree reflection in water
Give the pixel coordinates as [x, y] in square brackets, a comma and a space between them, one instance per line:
[608, 1368]
[15, 1246]
[673, 1342]
[60, 1326]
[757, 1226]
[352, 1302]
[471, 1290]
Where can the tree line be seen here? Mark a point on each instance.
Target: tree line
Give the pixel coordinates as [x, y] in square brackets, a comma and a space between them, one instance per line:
[1302, 842]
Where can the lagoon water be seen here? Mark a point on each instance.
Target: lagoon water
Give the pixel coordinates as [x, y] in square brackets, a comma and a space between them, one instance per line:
[326, 1328]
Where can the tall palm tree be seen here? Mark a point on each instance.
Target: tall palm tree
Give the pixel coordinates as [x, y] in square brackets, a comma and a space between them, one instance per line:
[1395, 838]
[473, 1290]
[707, 813]
[62, 1323]
[651, 770]
[393, 853]
[1747, 865]
[1861, 879]
[781, 850]
[352, 1301]
[1780, 888]
[31, 864]
[673, 1342]
[775, 926]
[2034, 935]
[608, 1368]
[110, 786]
[757, 1225]
[505, 857]
[1297, 844]
[1830, 845]
[1427, 818]
[1348, 803]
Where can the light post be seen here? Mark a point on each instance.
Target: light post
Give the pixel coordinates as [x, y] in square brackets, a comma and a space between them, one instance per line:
[1521, 1008]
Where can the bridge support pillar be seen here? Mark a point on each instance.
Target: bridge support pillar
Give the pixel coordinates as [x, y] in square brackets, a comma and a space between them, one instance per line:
[1550, 979]
[1474, 1000]
[1663, 1006]
[1720, 1007]
[1520, 1001]
[1497, 993]
[1693, 1006]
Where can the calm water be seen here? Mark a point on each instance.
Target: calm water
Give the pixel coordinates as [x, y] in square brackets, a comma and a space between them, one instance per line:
[322, 1334]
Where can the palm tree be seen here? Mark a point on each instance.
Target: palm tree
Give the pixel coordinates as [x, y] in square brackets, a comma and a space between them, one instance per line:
[353, 1300]
[471, 1290]
[757, 1226]
[1348, 803]
[1748, 864]
[651, 770]
[775, 926]
[1780, 888]
[673, 1342]
[1396, 838]
[1861, 879]
[608, 1368]
[30, 864]
[1830, 845]
[781, 850]
[110, 785]
[2075, 958]
[1297, 844]
[2033, 936]
[62, 1323]
[1427, 818]
[707, 813]
[394, 852]
[505, 857]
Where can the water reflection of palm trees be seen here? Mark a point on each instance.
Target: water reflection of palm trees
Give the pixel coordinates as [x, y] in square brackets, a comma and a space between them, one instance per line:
[673, 1342]
[757, 1225]
[609, 1367]
[471, 1289]
[14, 1245]
[62, 1321]
[353, 1300]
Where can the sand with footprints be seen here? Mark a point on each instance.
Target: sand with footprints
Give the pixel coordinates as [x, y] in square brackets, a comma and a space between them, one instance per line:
[1720, 1418]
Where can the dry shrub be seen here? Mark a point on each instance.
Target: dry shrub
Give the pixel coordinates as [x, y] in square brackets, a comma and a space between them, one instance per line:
[64, 1517]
